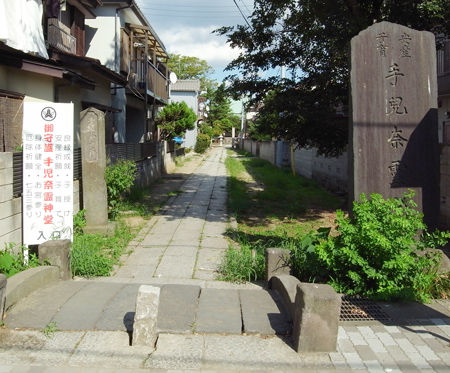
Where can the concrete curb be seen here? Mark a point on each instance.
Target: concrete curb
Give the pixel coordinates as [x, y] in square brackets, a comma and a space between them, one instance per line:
[24, 283]
[286, 288]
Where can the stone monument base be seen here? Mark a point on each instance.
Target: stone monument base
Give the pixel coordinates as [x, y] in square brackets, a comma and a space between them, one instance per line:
[105, 229]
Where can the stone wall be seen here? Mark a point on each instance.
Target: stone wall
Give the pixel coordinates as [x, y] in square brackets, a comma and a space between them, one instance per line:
[444, 218]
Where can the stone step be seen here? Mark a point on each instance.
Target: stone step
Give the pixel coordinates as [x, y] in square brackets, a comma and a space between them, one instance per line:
[183, 309]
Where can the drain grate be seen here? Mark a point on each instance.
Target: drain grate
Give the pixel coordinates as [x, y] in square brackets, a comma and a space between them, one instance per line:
[361, 309]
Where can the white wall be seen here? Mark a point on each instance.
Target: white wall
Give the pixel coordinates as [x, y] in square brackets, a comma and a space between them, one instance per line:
[191, 100]
[100, 36]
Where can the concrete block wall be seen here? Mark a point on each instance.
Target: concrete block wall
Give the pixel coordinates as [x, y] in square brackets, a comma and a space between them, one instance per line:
[268, 151]
[303, 162]
[247, 143]
[10, 208]
[149, 170]
[444, 218]
[331, 173]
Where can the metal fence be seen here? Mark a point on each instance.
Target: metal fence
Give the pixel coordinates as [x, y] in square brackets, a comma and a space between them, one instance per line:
[132, 152]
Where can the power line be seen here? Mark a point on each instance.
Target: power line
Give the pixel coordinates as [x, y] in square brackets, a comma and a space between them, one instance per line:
[193, 11]
[246, 7]
[242, 14]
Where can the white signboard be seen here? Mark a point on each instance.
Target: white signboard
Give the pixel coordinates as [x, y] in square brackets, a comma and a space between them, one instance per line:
[47, 172]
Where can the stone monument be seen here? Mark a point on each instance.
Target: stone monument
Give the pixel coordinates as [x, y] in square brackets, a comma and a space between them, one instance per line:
[393, 133]
[93, 158]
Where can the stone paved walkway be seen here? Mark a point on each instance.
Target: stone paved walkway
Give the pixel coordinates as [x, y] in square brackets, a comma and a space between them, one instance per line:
[185, 239]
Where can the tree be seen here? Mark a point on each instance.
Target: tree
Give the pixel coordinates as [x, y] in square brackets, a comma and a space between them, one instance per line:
[187, 67]
[175, 119]
[220, 118]
[311, 39]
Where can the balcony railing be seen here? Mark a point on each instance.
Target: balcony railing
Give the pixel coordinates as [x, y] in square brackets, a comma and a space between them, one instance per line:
[443, 59]
[58, 36]
[157, 83]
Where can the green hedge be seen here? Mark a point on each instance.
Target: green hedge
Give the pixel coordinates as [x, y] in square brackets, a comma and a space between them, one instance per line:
[202, 143]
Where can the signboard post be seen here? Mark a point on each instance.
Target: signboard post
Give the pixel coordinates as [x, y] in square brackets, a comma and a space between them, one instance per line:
[47, 172]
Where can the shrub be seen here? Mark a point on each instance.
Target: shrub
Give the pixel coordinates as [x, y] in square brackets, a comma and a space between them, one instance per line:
[12, 262]
[203, 141]
[175, 119]
[375, 253]
[304, 261]
[119, 178]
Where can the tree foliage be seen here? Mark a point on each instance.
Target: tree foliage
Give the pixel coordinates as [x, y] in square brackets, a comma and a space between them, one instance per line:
[311, 39]
[187, 67]
[175, 119]
[220, 117]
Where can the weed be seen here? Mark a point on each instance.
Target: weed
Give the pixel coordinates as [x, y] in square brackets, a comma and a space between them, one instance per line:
[174, 193]
[12, 260]
[79, 221]
[193, 326]
[179, 161]
[95, 255]
[242, 264]
[50, 329]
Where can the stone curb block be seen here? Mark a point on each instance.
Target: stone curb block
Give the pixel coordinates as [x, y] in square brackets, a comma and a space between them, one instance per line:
[144, 327]
[57, 253]
[316, 319]
[277, 262]
[24, 283]
[286, 288]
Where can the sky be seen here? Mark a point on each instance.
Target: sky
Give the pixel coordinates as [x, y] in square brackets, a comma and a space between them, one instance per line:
[185, 27]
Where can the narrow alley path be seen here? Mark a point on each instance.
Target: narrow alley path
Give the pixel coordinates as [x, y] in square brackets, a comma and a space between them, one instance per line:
[185, 239]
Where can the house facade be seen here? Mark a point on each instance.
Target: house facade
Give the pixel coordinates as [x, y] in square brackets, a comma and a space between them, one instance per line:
[121, 38]
[188, 91]
[93, 53]
[52, 66]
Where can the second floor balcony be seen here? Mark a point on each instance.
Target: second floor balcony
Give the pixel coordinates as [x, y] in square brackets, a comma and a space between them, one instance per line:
[58, 36]
[147, 77]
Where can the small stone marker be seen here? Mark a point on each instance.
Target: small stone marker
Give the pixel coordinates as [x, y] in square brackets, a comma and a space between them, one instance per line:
[316, 318]
[93, 157]
[57, 253]
[144, 327]
[3, 282]
[277, 262]
[394, 115]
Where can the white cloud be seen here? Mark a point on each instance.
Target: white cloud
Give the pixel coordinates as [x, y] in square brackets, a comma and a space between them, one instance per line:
[199, 42]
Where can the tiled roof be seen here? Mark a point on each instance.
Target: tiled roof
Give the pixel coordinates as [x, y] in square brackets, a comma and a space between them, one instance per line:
[188, 85]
